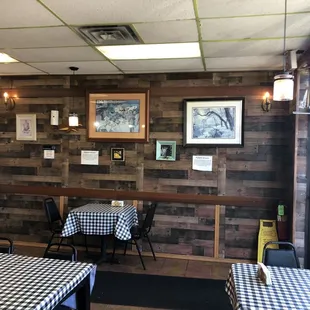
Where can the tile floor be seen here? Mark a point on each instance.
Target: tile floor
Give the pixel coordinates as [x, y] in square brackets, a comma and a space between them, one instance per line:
[163, 266]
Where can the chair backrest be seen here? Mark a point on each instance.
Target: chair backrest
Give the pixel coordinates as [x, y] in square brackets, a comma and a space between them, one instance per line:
[59, 254]
[282, 257]
[52, 211]
[147, 223]
[8, 247]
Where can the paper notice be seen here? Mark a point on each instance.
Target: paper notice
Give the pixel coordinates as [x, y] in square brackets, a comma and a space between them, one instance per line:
[202, 163]
[90, 157]
[48, 154]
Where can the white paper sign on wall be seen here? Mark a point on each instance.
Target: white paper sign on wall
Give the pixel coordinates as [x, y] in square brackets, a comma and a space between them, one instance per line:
[90, 157]
[49, 154]
[202, 163]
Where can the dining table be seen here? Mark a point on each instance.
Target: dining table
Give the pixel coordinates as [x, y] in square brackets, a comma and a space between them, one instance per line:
[289, 290]
[101, 219]
[35, 283]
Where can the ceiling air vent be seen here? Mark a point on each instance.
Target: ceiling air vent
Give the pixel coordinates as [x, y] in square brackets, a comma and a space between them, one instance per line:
[109, 35]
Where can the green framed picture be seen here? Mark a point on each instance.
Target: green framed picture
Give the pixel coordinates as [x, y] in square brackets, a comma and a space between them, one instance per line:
[166, 150]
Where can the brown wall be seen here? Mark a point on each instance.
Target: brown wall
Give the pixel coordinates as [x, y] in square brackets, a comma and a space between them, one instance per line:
[258, 169]
[301, 169]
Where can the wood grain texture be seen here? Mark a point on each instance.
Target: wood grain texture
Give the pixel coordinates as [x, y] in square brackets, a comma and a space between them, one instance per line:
[217, 231]
[252, 177]
[301, 171]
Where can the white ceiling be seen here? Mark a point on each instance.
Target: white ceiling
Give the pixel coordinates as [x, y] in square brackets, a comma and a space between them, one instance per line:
[234, 35]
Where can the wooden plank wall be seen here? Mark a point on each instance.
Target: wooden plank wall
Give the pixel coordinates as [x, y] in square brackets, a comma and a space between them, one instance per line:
[257, 169]
[300, 177]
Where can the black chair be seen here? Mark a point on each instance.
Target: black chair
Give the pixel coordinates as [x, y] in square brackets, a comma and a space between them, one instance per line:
[55, 221]
[140, 232]
[285, 256]
[70, 255]
[8, 247]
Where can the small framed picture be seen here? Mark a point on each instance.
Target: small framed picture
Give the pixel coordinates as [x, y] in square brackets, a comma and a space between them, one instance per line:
[26, 127]
[117, 154]
[166, 150]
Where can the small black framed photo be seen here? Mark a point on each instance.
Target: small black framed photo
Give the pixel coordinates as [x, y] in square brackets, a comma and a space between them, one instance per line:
[117, 154]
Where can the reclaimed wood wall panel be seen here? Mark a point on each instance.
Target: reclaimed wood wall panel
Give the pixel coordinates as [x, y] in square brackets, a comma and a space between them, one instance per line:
[301, 169]
[256, 170]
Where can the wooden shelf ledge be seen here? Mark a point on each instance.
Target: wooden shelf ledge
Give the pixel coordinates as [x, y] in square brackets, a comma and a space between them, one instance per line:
[138, 195]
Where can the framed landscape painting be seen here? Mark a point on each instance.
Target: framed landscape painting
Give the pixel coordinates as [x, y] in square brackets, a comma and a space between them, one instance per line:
[118, 116]
[214, 122]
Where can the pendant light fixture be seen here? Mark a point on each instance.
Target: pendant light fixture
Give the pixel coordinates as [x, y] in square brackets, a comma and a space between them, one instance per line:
[73, 117]
[71, 123]
[283, 86]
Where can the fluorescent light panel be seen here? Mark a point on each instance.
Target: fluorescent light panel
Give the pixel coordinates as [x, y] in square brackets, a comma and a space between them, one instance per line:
[5, 58]
[151, 51]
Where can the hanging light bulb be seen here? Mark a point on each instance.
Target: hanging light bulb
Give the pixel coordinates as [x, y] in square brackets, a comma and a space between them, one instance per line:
[6, 96]
[283, 87]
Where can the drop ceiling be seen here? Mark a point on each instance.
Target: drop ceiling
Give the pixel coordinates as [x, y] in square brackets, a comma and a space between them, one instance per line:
[233, 35]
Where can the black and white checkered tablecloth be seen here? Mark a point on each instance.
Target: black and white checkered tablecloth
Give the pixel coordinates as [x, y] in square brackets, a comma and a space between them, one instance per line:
[101, 219]
[33, 283]
[290, 288]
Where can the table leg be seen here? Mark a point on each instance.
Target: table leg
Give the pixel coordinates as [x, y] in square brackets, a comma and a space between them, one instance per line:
[83, 295]
[104, 257]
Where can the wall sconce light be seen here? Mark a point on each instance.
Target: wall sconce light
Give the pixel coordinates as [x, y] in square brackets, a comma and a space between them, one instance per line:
[266, 103]
[9, 101]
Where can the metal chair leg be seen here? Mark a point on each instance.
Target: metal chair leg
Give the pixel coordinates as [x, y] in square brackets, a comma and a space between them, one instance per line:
[125, 249]
[114, 248]
[148, 239]
[51, 239]
[86, 245]
[141, 259]
[60, 242]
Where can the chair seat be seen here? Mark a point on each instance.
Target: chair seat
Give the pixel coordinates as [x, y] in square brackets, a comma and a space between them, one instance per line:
[136, 232]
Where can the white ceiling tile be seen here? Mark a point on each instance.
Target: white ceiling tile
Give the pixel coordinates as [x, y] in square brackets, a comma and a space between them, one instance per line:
[168, 32]
[85, 67]
[25, 13]
[18, 69]
[39, 37]
[242, 28]
[298, 24]
[254, 27]
[162, 65]
[216, 8]
[56, 54]
[120, 11]
[252, 47]
[240, 63]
